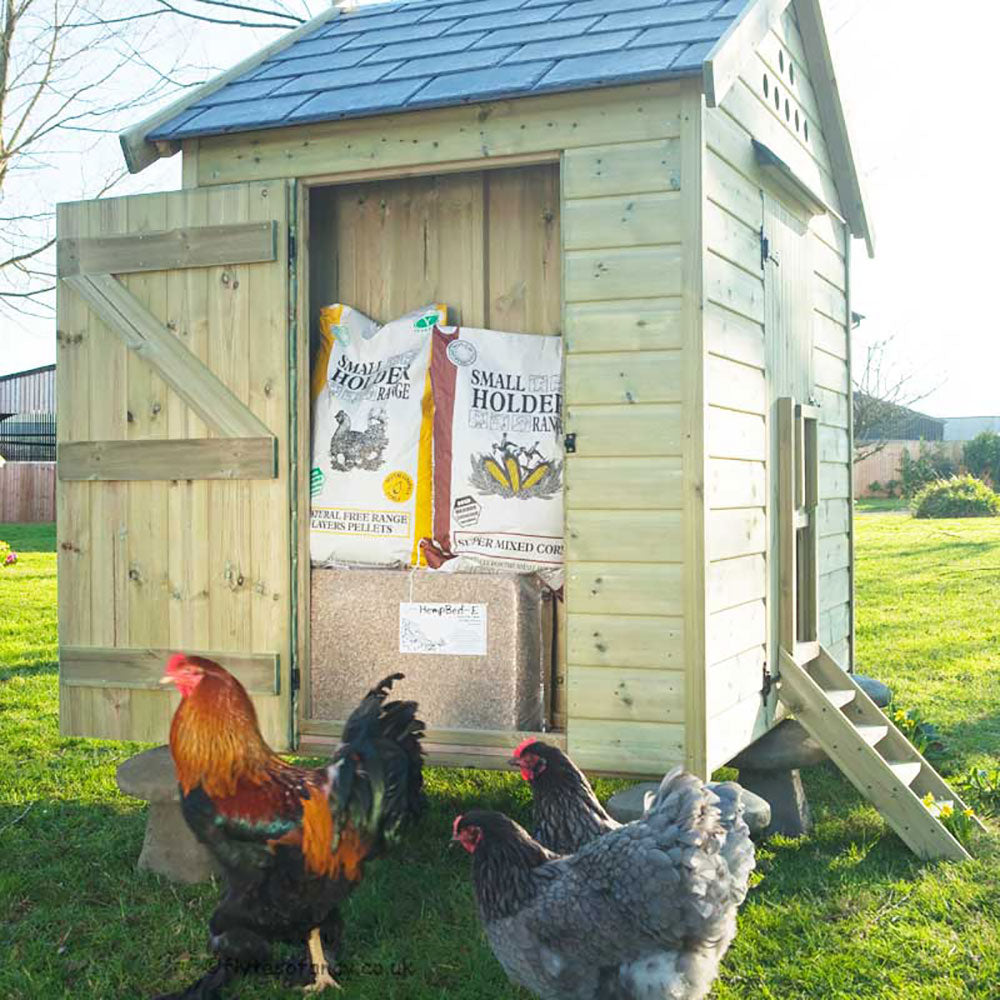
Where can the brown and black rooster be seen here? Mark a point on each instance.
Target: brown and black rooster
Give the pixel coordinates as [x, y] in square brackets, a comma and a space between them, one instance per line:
[291, 841]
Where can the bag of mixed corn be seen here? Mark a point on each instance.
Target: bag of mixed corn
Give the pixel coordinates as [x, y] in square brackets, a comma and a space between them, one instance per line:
[498, 452]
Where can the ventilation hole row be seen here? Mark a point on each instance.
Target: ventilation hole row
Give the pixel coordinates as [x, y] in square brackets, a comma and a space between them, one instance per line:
[801, 123]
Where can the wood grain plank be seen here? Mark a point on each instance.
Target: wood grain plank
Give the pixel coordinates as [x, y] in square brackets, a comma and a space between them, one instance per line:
[624, 168]
[166, 249]
[625, 695]
[630, 220]
[121, 667]
[622, 483]
[628, 535]
[159, 459]
[623, 325]
[639, 272]
[626, 378]
[621, 431]
[625, 641]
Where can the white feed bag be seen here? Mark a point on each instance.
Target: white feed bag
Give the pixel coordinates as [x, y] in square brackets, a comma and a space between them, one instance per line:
[498, 452]
[371, 436]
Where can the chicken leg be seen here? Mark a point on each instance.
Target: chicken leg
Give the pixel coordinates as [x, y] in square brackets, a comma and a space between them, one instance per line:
[323, 978]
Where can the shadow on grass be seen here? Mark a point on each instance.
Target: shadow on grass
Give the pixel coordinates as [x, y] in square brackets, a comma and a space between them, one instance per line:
[33, 669]
[29, 537]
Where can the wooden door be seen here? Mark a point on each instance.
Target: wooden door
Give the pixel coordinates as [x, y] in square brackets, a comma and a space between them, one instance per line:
[788, 339]
[173, 462]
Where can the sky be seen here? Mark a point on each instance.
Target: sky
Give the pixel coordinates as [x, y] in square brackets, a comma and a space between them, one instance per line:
[916, 85]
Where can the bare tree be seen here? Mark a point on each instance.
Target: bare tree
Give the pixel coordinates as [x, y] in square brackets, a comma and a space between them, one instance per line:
[883, 399]
[62, 67]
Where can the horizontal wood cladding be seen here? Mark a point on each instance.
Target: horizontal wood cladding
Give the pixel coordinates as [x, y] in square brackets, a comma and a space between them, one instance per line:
[733, 729]
[735, 630]
[732, 238]
[141, 669]
[622, 483]
[626, 378]
[163, 250]
[620, 431]
[731, 434]
[737, 532]
[623, 588]
[651, 536]
[736, 386]
[623, 168]
[159, 459]
[623, 325]
[616, 747]
[830, 372]
[730, 335]
[732, 582]
[601, 640]
[735, 680]
[622, 221]
[627, 695]
[730, 286]
[460, 135]
[834, 589]
[602, 275]
[735, 483]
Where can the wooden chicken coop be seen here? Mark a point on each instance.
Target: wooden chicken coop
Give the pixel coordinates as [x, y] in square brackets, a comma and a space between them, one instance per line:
[667, 184]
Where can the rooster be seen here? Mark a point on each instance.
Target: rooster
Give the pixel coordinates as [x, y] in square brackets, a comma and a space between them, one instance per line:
[644, 912]
[567, 814]
[291, 841]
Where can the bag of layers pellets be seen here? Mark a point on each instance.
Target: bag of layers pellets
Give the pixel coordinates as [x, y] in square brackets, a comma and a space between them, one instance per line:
[371, 438]
[498, 453]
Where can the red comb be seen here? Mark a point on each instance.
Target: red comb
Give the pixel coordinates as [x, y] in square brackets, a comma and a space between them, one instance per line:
[176, 662]
[522, 745]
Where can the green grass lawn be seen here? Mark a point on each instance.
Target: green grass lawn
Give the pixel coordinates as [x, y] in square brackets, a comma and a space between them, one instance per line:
[846, 913]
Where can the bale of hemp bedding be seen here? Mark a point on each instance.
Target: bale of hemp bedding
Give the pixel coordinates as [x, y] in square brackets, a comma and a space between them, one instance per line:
[355, 641]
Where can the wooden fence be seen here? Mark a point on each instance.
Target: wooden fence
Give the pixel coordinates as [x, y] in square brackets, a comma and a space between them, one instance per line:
[884, 465]
[28, 491]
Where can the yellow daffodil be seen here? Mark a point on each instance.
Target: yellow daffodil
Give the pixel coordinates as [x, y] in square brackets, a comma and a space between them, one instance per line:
[928, 800]
[947, 810]
[968, 813]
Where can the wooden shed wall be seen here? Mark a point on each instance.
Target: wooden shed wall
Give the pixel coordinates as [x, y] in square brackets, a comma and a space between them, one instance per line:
[736, 380]
[631, 282]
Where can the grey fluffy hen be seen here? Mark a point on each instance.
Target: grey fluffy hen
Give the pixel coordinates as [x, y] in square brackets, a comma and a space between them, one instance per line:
[566, 812]
[645, 912]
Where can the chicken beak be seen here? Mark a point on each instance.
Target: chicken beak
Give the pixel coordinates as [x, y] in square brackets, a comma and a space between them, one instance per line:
[165, 680]
[516, 762]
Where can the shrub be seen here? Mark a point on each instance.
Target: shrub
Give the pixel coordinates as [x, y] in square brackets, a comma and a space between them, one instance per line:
[981, 457]
[928, 466]
[960, 496]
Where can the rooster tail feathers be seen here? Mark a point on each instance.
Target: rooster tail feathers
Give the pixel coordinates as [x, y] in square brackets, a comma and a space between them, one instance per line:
[379, 764]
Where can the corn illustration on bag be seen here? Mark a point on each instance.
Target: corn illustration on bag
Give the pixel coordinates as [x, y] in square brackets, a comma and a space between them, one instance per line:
[371, 438]
[498, 452]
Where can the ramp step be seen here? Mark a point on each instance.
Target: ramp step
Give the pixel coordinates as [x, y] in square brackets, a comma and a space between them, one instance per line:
[841, 698]
[905, 770]
[816, 694]
[872, 734]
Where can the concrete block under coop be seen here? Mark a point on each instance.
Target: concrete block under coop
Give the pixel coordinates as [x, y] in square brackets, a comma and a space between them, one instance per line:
[356, 639]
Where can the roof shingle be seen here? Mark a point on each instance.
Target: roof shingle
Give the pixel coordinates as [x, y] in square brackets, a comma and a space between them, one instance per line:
[408, 54]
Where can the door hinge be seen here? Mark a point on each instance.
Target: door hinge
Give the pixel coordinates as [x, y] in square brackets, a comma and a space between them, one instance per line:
[292, 249]
[569, 443]
[296, 678]
[765, 251]
[768, 683]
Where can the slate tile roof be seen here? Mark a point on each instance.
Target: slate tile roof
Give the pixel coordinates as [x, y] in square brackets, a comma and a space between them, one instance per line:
[409, 54]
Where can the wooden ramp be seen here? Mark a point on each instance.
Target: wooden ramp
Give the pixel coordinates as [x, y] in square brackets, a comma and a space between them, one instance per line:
[877, 758]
